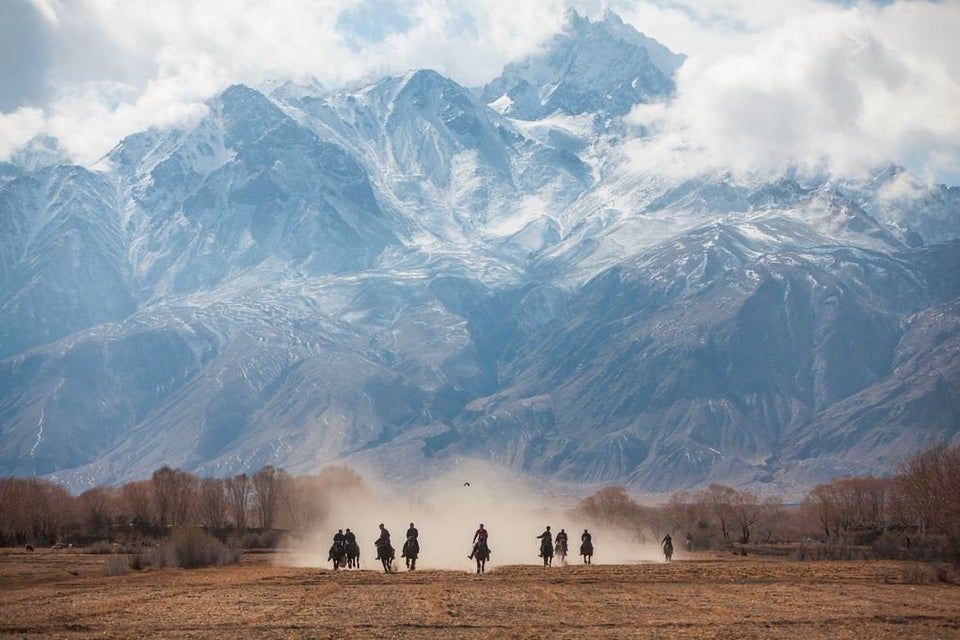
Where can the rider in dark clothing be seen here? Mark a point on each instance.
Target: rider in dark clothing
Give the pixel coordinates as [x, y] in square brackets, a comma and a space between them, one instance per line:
[412, 532]
[349, 537]
[561, 537]
[479, 541]
[586, 537]
[546, 545]
[338, 537]
[384, 536]
[667, 544]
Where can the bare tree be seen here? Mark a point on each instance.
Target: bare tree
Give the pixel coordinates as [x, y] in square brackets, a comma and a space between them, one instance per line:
[268, 486]
[174, 495]
[746, 510]
[928, 487]
[718, 499]
[99, 508]
[238, 488]
[213, 503]
[821, 501]
[773, 518]
[136, 501]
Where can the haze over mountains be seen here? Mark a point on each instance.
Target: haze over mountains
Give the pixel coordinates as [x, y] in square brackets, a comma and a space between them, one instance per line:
[413, 273]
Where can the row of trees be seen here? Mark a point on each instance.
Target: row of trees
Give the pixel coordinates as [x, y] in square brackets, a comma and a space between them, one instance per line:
[41, 510]
[716, 514]
[921, 499]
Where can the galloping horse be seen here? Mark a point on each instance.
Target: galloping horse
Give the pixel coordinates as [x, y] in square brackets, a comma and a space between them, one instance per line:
[338, 554]
[586, 550]
[561, 552]
[353, 555]
[668, 549]
[481, 553]
[546, 551]
[385, 554]
[411, 549]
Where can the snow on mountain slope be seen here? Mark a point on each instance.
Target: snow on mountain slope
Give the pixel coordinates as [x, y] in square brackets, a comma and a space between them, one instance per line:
[401, 275]
[246, 184]
[602, 68]
[455, 167]
[62, 259]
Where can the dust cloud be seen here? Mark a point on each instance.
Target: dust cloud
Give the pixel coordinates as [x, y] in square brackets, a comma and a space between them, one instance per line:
[447, 513]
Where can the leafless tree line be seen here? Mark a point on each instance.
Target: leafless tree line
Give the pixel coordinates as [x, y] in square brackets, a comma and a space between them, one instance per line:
[922, 498]
[33, 509]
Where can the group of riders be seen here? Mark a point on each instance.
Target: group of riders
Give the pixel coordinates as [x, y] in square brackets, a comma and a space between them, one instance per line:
[551, 546]
[345, 551]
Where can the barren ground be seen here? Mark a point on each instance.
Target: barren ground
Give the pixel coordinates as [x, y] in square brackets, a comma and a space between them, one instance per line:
[68, 595]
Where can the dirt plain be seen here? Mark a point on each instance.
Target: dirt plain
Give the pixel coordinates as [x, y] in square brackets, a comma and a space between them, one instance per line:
[62, 594]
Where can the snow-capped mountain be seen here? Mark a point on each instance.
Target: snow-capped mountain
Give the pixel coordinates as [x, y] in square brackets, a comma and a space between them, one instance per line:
[600, 68]
[404, 274]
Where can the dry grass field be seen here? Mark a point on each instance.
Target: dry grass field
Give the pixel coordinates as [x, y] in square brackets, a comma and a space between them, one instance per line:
[68, 595]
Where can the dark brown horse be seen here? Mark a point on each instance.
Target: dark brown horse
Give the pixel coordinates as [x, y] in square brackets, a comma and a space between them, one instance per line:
[481, 553]
[386, 555]
[338, 555]
[546, 551]
[411, 550]
[353, 555]
[586, 550]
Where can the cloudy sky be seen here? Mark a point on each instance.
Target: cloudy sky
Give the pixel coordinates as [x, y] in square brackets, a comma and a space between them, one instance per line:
[768, 83]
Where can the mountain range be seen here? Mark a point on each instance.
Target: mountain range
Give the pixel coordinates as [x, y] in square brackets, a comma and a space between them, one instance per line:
[409, 274]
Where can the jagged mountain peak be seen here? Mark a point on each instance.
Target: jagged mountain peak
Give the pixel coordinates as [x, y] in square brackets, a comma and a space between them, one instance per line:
[39, 152]
[603, 67]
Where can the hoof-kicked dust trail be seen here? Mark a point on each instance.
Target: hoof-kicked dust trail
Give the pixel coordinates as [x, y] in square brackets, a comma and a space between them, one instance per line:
[708, 597]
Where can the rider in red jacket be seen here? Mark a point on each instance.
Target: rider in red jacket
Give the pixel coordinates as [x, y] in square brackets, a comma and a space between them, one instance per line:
[479, 541]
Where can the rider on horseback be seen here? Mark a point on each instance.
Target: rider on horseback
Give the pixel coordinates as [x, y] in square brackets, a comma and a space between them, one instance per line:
[411, 548]
[586, 546]
[667, 544]
[561, 539]
[479, 541]
[349, 538]
[338, 537]
[384, 549]
[546, 545]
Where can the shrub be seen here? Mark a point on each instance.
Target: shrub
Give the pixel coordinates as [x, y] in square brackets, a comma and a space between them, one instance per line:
[902, 546]
[256, 540]
[829, 551]
[924, 573]
[194, 548]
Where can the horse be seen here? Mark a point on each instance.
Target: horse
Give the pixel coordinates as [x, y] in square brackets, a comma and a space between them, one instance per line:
[586, 550]
[668, 551]
[411, 549]
[386, 555]
[338, 555]
[481, 553]
[546, 551]
[353, 555]
[561, 552]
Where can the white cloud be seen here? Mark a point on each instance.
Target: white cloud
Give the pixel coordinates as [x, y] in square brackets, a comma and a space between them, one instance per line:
[833, 89]
[18, 127]
[767, 83]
